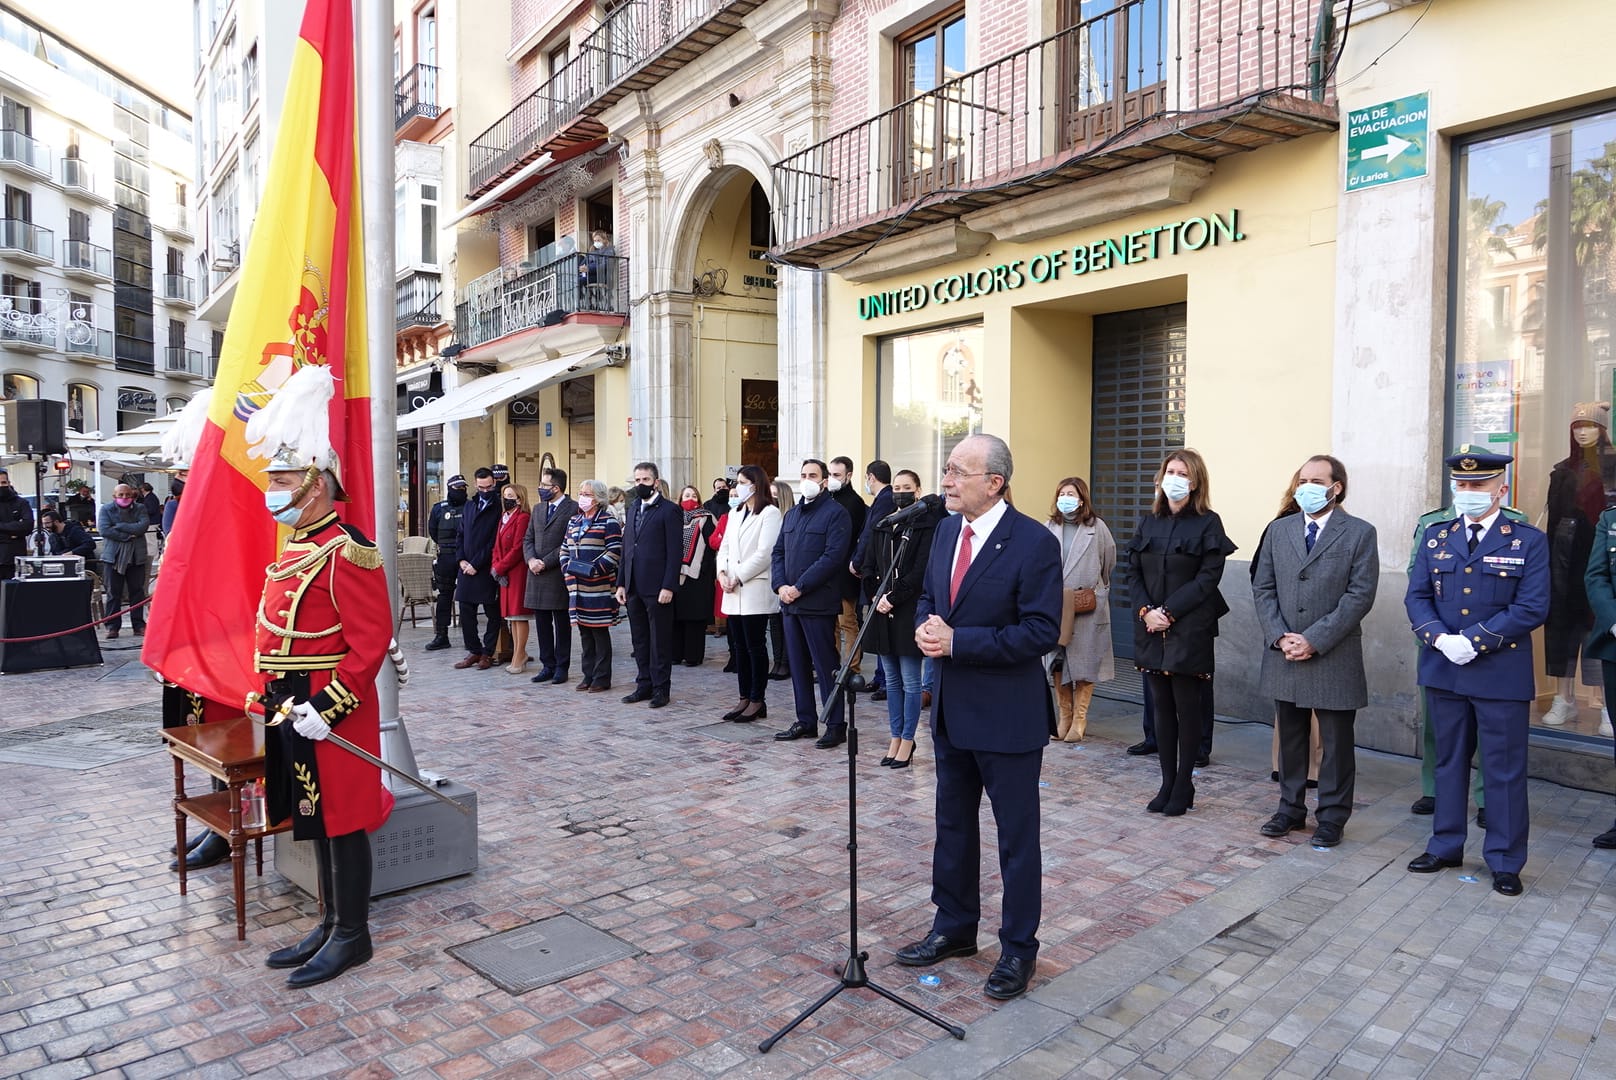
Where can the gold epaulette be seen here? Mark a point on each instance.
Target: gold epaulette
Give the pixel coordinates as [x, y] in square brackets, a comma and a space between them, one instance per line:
[364, 556]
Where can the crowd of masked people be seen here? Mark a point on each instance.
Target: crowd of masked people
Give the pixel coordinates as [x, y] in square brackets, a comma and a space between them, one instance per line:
[790, 575]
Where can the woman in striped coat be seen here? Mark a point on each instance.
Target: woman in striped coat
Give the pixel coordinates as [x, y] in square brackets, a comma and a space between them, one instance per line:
[589, 559]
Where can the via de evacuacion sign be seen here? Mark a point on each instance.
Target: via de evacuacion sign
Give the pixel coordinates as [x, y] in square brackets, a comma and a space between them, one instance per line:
[1128, 249]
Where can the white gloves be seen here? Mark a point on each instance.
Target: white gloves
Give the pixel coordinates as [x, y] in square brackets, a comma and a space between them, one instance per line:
[1455, 648]
[308, 723]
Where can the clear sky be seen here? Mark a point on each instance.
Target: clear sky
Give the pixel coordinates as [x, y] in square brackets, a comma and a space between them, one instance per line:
[150, 40]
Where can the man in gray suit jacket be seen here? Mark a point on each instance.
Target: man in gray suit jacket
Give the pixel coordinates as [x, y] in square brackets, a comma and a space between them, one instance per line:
[1315, 580]
[546, 587]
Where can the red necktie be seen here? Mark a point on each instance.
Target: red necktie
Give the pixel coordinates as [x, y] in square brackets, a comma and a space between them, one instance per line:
[962, 563]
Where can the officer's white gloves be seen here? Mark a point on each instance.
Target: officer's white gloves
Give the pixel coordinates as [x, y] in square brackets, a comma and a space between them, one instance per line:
[1455, 648]
[308, 723]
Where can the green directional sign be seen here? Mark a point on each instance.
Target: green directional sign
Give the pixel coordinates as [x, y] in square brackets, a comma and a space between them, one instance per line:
[1388, 142]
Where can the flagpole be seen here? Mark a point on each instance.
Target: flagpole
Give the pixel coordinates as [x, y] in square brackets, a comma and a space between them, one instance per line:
[373, 42]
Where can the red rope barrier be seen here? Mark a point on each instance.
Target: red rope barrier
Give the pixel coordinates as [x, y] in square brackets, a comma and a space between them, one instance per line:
[76, 629]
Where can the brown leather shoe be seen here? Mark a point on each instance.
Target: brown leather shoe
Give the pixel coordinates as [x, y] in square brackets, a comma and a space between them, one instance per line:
[484, 663]
[583, 688]
[470, 661]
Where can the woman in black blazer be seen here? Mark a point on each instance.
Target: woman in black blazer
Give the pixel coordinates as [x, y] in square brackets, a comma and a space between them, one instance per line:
[1175, 561]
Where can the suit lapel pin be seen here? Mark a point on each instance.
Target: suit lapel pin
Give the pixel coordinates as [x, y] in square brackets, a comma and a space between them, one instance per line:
[1430, 543]
[1503, 530]
[1514, 545]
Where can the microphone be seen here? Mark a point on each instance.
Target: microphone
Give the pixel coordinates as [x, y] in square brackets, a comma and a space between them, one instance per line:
[901, 518]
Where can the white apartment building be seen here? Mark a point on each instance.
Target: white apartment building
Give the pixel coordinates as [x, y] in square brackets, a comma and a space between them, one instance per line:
[96, 307]
[243, 60]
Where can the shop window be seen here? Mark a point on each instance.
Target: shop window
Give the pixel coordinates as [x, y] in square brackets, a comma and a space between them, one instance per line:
[1534, 250]
[83, 408]
[18, 387]
[929, 397]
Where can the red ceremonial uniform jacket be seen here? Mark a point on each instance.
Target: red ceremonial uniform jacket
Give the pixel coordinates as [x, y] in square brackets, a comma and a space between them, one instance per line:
[325, 612]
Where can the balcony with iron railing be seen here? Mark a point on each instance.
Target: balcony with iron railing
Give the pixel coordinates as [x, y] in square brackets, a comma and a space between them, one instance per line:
[415, 98]
[516, 298]
[179, 289]
[637, 45]
[84, 260]
[26, 242]
[20, 152]
[1150, 78]
[25, 323]
[178, 360]
[418, 300]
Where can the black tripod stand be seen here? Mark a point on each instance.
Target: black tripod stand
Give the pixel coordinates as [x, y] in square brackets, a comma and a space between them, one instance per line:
[847, 688]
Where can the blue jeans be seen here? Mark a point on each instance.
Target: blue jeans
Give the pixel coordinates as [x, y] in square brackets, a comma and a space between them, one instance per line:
[903, 694]
[928, 674]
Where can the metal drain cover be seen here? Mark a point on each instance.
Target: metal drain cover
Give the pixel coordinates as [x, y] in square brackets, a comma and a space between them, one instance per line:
[541, 953]
[86, 742]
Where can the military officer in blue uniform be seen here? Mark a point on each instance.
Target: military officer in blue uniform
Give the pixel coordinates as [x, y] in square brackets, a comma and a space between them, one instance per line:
[1479, 587]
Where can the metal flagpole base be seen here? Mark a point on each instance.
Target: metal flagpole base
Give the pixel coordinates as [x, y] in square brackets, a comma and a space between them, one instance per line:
[396, 751]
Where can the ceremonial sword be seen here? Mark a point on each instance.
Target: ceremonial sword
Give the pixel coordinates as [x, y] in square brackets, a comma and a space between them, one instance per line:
[259, 712]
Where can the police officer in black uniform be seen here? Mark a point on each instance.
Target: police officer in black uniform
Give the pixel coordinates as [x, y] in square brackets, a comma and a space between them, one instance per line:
[443, 526]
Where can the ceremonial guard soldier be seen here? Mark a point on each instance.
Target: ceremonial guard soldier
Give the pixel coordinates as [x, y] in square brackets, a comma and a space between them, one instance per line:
[324, 629]
[1479, 587]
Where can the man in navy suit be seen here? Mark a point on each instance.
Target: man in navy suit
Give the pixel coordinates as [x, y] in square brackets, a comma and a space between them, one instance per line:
[652, 534]
[989, 611]
[1479, 587]
[475, 587]
[806, 570]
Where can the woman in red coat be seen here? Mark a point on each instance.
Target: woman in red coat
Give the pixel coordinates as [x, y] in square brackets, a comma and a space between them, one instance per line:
[510, 570]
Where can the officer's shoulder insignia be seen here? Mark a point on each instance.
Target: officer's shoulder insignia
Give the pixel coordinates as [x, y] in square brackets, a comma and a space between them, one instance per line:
[360, 550]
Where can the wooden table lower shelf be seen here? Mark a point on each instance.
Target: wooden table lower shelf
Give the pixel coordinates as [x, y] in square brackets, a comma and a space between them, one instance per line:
[231, 751]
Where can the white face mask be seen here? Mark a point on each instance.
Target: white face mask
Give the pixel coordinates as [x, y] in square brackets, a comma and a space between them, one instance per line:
[742, 492]
[810, 489]
[1175, 487]
[599, 244]
[833, 485]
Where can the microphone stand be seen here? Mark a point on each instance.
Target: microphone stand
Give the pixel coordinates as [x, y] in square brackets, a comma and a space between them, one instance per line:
[853, 976]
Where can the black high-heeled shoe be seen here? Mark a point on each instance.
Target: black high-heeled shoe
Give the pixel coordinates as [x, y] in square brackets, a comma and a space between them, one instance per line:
[1159, 803]
[735, 713]
[902, 764]
[1180, 802]
[746, 717]
[888, 760]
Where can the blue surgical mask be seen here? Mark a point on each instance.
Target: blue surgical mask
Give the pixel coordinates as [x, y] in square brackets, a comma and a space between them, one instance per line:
[1067, 504]
[1312, 497]
[1472, 504]
[1175, 487]
[280, 507]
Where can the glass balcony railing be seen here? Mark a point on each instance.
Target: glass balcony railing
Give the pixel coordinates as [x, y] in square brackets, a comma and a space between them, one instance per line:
[27, 239]
[84, 259]
[179, 288]
[22, 151]
[90, 342]
[182, 361]
[76, 176]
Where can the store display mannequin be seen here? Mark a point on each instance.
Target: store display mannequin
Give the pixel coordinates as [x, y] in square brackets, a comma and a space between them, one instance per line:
[1579, 490]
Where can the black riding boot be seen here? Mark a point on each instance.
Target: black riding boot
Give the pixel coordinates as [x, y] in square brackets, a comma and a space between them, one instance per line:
[349, 943]
[205, 849]
[777, 646]
[301, 953]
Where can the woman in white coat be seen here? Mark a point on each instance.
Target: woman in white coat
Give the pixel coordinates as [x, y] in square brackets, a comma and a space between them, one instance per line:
[743, 575]
[1088, 555]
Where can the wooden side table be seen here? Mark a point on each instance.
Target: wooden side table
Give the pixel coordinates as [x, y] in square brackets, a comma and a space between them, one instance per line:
[231, 751]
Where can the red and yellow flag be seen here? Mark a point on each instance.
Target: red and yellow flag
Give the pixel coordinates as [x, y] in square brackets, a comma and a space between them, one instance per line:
[300, 301]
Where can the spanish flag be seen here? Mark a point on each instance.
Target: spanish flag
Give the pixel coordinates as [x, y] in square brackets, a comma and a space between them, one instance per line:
[300, 301]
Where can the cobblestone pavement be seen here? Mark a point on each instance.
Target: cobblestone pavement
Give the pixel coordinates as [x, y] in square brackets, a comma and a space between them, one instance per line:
[1187, 946]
